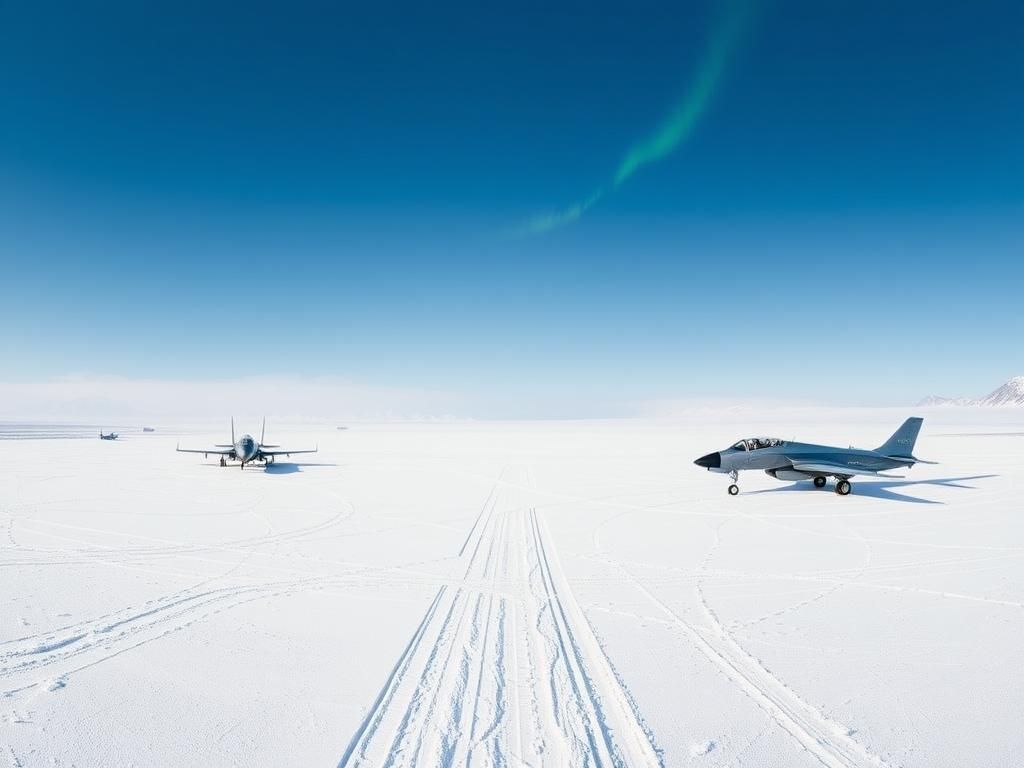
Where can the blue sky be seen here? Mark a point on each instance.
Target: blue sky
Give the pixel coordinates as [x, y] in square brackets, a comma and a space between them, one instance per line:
[189, 191]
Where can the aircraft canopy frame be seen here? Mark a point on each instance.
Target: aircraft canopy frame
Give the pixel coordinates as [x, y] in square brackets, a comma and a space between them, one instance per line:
[757, 443]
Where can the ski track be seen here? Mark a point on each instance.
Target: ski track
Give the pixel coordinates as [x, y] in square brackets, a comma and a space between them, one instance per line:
[504, 668]
[827, 740]
[46, 660]
[161, 548]
[57, 657]
[62, 651]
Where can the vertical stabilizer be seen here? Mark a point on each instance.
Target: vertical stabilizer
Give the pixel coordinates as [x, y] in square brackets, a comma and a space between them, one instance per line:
[232, 430]
[901, 444]
[263, 432]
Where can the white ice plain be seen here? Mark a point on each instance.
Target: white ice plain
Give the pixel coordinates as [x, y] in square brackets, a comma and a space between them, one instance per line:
[541, 594]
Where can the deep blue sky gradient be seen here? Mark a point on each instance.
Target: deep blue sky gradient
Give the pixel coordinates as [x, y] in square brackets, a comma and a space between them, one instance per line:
[193, 190]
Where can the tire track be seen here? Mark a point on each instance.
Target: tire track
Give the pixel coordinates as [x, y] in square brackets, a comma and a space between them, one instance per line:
[504, 668]
[167, 547]
[22, 665]
[421, 697]
[139, 559]
[614, 735]
[829, 742]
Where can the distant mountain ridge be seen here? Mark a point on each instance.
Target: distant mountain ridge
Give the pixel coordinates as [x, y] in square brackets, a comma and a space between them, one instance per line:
[1010, 394]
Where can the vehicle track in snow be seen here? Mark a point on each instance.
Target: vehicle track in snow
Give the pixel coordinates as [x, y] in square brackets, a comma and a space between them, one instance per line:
[50, 658]
[36, 659]
[830, 742]
[503, 669]
[154, 547]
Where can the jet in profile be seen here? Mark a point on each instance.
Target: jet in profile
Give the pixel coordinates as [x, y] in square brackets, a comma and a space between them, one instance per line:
[110, 436]
[786, 460]
[245, 449]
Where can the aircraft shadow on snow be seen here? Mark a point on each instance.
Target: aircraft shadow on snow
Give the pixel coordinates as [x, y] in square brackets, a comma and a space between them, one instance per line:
[880, 489]
[290, 467]
[278, 467]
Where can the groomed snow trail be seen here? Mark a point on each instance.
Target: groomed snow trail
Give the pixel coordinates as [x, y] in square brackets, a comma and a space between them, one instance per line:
[504, 669]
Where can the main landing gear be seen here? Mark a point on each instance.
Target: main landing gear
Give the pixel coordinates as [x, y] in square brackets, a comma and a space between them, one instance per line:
[843, 487]
[819, 482]
[223, 461]
[734, 489]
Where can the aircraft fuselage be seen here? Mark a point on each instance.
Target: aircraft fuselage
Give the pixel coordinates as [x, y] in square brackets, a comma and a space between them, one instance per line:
[785, 455]
[247, 448]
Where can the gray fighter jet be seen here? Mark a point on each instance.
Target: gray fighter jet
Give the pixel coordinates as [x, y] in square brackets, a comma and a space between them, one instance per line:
[785, 460]
[245, 449]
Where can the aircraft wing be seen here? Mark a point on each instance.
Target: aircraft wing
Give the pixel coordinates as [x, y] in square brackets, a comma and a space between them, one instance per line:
[288, 453]
[839, 470]
[214, 451]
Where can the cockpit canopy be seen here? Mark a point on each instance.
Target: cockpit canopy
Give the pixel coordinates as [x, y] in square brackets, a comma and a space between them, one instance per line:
[755, 443]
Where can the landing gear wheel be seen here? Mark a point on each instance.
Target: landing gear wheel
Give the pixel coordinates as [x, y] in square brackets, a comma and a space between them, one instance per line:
[843, 487]
[734, 489]
[222, 462]
[819, 482]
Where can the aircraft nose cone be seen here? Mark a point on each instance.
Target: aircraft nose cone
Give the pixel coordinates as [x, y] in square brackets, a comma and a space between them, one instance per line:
[712, 460]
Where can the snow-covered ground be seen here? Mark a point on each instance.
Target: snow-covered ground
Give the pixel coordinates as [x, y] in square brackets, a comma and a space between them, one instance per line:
[542, 594]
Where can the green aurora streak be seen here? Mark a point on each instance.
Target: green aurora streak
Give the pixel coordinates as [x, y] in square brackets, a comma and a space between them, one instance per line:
[676, 128]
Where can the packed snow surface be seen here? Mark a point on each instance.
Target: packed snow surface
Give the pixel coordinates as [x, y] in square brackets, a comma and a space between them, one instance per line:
[535, 594]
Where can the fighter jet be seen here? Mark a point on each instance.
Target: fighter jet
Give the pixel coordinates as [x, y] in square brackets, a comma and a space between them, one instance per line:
[111, 436]
[245, 449]
[785, 460]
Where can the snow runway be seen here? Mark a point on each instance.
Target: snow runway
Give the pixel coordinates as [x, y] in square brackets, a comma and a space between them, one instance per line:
[510, 595]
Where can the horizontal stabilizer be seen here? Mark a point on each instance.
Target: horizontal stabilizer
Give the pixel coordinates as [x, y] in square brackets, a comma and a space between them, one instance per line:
[912, 459]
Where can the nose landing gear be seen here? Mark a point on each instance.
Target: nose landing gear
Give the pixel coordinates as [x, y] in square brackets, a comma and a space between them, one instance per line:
[734, 489]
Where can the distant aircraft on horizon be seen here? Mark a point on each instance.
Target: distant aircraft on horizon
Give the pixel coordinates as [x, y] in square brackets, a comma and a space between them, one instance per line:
[786, 460]
[245, 449]
[111, 436]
